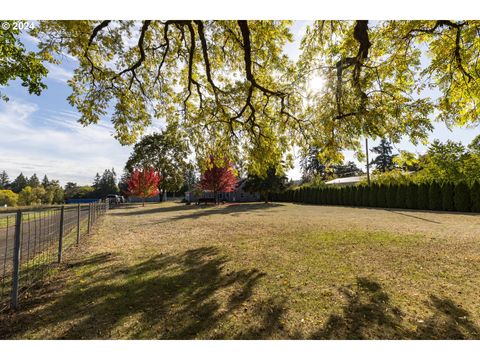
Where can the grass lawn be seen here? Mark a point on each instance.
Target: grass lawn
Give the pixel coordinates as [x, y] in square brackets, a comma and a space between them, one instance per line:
[173, 271]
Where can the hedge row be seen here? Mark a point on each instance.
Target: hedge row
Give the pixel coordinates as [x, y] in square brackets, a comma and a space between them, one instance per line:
[429, 196]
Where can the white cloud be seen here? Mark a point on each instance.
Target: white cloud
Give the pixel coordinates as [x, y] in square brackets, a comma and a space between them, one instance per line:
[53, 143]
[58, 73]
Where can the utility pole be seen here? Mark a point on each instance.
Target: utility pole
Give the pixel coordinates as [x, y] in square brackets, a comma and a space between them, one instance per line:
[368, 162]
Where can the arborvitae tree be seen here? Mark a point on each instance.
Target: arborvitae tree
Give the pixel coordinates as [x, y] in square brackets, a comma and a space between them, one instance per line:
[435, 197]
[372, 196]
[382, 196]
[392, 196]
[461, 198]
[347, 195]
[366, 195]
[422, 196]
[352, 195]
[328, 196]
[411, 198]
[336, 196]
[401, 196]
[475, 196]
[446, 196]
[358, 196]
[333, 191]
[325, 195]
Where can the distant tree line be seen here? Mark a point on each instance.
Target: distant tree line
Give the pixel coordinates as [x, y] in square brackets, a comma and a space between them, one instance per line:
[25, 191]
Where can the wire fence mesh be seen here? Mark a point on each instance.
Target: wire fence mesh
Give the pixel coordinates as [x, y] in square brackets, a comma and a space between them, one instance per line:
[33, 241]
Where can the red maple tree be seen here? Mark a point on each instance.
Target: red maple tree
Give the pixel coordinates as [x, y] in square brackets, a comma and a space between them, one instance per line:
[144, 183]
[218, 178]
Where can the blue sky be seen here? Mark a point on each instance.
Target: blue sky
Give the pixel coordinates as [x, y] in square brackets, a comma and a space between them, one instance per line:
[40, 134]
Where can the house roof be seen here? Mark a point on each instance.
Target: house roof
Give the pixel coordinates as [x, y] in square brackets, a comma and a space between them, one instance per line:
[345, 180]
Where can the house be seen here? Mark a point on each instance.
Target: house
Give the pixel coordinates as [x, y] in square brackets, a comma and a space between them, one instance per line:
[238, 195]
[346, 181]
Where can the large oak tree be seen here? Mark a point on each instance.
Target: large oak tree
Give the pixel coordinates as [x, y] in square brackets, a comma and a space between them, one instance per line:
[230, 84]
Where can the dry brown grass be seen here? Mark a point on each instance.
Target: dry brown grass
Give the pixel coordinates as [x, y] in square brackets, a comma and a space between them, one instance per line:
[264, 271]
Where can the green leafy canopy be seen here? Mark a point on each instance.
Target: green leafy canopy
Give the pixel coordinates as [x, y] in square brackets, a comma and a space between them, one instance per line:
[230, 86]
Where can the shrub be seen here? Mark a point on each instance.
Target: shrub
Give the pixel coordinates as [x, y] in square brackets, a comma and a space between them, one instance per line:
[26, 196]
[435, 197]
[8, 197]
[411, 199]
[422, 196]
[400, 196]
[358, 196]
[462, 197]
[352, 190]
[475, 196]
[382, 196]
[446, 192]
[365, 195]
[373, 195]
[334, 196]
[391, 196]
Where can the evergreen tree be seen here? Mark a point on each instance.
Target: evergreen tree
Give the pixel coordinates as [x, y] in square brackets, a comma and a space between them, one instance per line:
[392, 196]
[475, 196]
[33, 182]
[462, 199]
[400, 197]
[4, 180]
[446, 192]
[355, 190]
[435, 197]
[366, 195]
[45, 181]
[19, 183]
[382, 196]
[422, 196]
[373, 196]
[384, 161]
[411, 201]
[358, 196]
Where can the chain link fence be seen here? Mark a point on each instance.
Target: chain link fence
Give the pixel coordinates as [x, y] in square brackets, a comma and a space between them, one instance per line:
[33, 241]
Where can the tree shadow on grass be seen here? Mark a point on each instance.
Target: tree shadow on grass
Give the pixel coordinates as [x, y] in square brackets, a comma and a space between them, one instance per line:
[412, 216]
[167, 296]
[208, 210]
[369, 314]
[195, 295]
[229, 208]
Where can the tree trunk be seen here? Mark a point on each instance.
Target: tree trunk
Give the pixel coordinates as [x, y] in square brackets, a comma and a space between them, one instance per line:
[266, 197]
[143, 201]
[216, 197]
